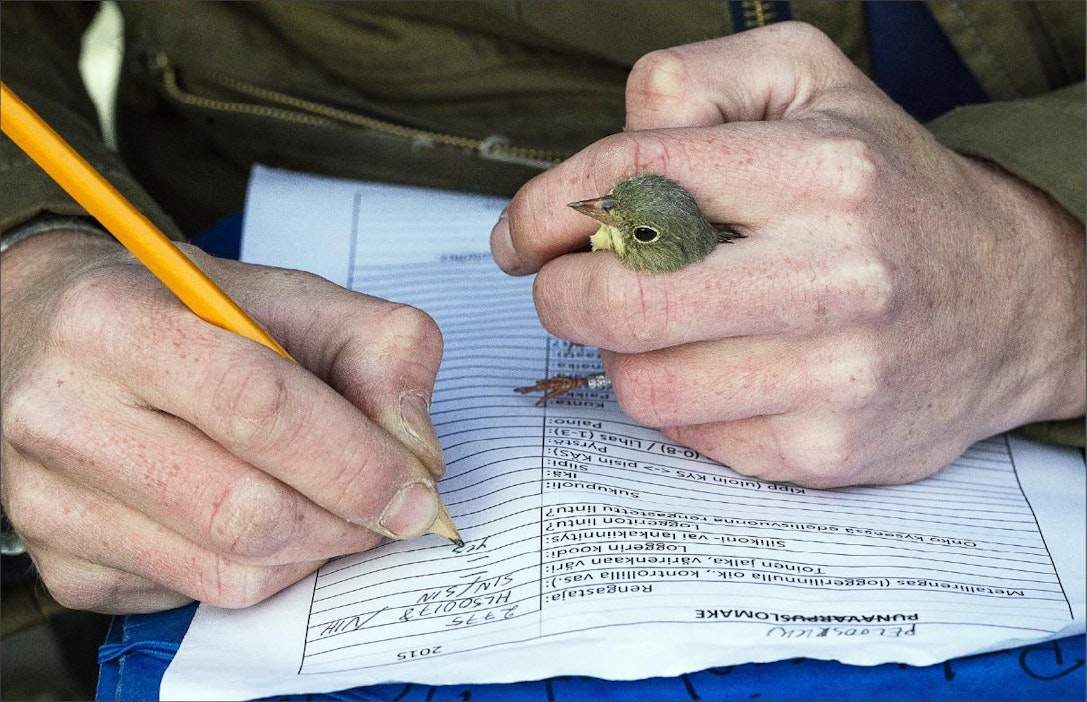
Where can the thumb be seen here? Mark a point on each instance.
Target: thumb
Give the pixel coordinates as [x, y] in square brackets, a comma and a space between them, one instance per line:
[771, 72]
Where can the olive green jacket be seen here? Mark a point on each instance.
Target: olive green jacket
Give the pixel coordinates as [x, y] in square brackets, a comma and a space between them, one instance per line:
[467, 95]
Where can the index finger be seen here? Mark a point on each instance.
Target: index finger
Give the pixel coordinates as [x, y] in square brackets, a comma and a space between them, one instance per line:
[278, 417]
[739, 174]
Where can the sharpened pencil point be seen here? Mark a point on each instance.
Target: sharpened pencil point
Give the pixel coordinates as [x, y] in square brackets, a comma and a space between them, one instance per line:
[444, 526]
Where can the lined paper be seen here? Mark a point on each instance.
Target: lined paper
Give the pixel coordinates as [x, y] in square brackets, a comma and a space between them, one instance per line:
[593, 545]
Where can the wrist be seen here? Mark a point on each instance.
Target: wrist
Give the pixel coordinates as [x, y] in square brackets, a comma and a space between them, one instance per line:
[44, 224]
[1043, 263]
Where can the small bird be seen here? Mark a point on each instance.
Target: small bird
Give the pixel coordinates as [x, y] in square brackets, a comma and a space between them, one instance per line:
[653, 224]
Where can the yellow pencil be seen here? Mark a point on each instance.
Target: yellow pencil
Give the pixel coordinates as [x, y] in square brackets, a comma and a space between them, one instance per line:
[146, 242]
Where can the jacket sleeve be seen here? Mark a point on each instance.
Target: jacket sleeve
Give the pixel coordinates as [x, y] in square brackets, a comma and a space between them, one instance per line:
[40, 44]
[1040, 140]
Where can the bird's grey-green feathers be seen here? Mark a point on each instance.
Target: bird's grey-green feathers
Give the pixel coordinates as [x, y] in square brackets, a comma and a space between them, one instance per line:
[653, 224]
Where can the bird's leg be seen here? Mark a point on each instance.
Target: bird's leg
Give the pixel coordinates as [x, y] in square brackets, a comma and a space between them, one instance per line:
[561, 384]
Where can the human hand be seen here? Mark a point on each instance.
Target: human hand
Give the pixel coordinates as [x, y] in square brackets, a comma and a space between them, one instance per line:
[893, 301]
[150, 458]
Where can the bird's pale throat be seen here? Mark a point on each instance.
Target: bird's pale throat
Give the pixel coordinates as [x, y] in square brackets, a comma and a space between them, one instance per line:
[608, 238]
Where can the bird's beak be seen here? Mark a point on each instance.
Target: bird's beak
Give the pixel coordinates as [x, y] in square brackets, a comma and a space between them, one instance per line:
[599, 208]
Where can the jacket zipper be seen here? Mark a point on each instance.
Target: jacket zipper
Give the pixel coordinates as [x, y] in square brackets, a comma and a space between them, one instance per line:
[759, 13]
[294, 109]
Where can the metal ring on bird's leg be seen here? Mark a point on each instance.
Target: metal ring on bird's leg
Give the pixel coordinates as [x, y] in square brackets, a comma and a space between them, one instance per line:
[562, 384]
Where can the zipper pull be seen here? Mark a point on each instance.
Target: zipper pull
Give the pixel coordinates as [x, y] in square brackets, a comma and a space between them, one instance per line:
[497, 148]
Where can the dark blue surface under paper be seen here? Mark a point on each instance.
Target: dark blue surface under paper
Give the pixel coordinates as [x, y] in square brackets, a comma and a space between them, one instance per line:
[139, 648]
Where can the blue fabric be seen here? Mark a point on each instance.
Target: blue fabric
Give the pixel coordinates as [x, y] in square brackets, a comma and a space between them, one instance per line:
[224, 238]
[136, 652]
[914, 62]
[139, 647]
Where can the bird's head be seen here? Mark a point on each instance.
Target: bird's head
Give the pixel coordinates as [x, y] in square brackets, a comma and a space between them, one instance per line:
[651, 223]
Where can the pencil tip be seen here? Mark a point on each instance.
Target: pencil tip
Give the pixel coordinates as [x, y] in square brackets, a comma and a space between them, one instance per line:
[459, 543]
[443, 526]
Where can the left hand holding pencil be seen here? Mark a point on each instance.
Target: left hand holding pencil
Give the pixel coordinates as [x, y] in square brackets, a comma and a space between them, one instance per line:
[151, 458]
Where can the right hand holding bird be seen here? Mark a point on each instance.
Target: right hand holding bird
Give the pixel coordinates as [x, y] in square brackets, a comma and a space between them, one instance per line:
[894, 303]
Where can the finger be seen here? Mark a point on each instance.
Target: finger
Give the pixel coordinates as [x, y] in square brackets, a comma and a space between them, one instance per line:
[269, 412]
[776, 283]
[752, 447]
[95, 528]
[733, 379]
[749, 175]
[283, 420]
[168, 471]
[540, 225]
[771, 72]
[382, 357]
[814, 450]
[77, 583]
[701, 383]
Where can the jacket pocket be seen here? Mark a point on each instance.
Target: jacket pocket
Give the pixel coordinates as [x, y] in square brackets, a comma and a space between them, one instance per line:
[251, 123]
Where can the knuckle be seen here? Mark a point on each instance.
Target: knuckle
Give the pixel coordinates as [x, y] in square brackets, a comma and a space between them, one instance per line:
[849, 168]
[74, 317]
[875, 290]
[634, 320]
[252, 520]
[804, 38]
[23, 418]
[355, 483]
[658, 75]
[864, 290]
[232, 586]
[248, 399]
[824, 456]
[649, 317]
[849, 289]
[639, 152]
[61, 587]
[527, 228]
[636, 382]
[406, 333]
[72, 587]
[562, 311]
[34, 421]
[855, 378]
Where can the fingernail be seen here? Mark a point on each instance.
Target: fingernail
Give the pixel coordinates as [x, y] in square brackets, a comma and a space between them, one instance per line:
[415, 419]
[410, 512]
[502, 245]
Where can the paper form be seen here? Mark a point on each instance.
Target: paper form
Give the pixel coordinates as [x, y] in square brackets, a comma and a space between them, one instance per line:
[594, 546]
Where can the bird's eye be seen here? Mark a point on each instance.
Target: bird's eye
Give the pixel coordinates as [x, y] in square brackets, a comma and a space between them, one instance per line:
[646, 234]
